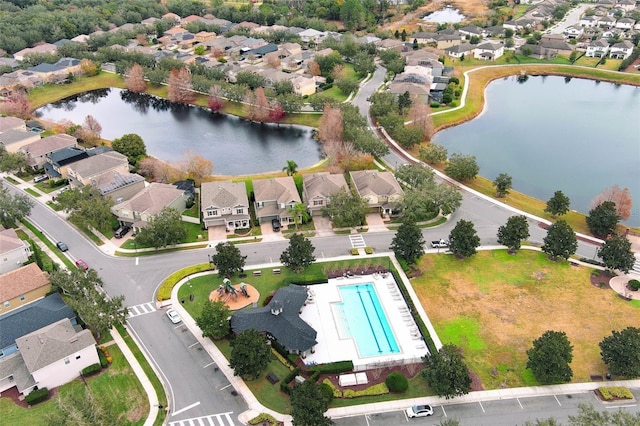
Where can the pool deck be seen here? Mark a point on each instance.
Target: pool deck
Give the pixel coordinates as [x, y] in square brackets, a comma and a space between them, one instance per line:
[332, 347]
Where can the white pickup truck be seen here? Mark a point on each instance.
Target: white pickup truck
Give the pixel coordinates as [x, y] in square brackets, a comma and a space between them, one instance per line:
[439, 244]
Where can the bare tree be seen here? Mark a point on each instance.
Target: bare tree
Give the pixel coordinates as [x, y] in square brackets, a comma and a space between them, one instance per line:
[90, 131]
[272, 59]
[249, 104]
[330, 125]
[88, 67]
[420, 115]
[16, 104]
[141, 39]
[215, 100]
[134, 79]
[620, 196]
[338, 72]
[313, 68]
[157, 170]
[261, 110]
[195, 166]
[180, 89]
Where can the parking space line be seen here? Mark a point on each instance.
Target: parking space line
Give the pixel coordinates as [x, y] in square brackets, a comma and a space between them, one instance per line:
[193, 344]
[177, 326]
[621, 406]
[444, 412]
[557, 400]
[188, 407]
[481, 407]
[521, 407]
[209, 365]
[366, 419]
[224, 387]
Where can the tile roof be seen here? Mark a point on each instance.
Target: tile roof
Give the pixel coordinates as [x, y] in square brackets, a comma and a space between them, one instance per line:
[280, 318]
[32, 317]
[52, 343]
[21, 281]
[12, 136]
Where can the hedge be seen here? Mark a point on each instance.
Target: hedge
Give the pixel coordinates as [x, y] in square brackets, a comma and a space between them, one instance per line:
[284, 383]
[311, 281]
[92, 369]
[375, 390]
[104, 363]
[337, 393]
[164, 292]
[615, 392]
[37, 396]
[284, 361]
[333, 367]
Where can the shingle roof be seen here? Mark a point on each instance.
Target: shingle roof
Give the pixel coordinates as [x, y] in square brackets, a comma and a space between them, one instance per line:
[12, 136]
[7, 123]
[286, 326]
[97, 164]
[323, 184]
[50, 144]
[21, 281]
[52, 343]
[109, 182]
[281, 189]
[152, 199]
[375, 182]
[223, 194]
[32, 317]
[10, 241]
[14, 365]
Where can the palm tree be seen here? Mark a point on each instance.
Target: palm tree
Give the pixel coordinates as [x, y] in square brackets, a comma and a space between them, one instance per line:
[299, 213]
[291, 168]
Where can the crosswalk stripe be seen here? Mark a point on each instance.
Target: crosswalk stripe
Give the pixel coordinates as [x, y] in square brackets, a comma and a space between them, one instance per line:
[206, 420]
[141, 309]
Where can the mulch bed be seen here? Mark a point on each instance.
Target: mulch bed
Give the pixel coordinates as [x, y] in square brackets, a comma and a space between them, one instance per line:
[601, 398]
[18, 399]
[603, 277]
[357, 271]
[376, 376]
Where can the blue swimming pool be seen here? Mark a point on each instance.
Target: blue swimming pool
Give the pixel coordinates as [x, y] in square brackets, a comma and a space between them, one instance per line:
[360, 316]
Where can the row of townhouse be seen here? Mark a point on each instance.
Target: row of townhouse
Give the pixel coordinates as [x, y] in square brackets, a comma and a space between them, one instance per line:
[226, 204]
[601, 48]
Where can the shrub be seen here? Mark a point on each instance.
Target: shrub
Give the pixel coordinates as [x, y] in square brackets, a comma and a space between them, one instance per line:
[283, 360]
[92, 369]
[375, 390]
[263, 418]
[435, 104]
[368, 250]
[37, 396]
[396, 382]
[327, 391]
[337, 393]
[315, 376]
[103, 359]
[354, 251]
[164, 292]
[634, 285]
[334, 367]
[615, 392]
[284, 383]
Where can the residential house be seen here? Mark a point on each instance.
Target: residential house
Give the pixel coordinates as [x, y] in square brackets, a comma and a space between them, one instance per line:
[21, 78]
[318, 188]
[304, 85]
[473, 30]
[597, 49]
[589, 21]
[58, 72]
[621, 50]
[38, 151]
[29, 318]
[274, 197]
[418, 90]
[225, 203]
[380, 190]
[389, 43]
[289, 49]
[11, 63]
[45, 48]
[607, 22]
[447, 38]
[119, 187]
[574, 31]
[280, 320]
[22, 286]
[145, 205]
[57, 353]
[625, 23]
[627, 5]
[464, 49]
[12, 123]
[204, 36]
[85, 171]
[422, 57]
[13, 251]
[58, 161]
[12, 140]
[172, 17]
[556, 47]
[311, 35]
[488, 51]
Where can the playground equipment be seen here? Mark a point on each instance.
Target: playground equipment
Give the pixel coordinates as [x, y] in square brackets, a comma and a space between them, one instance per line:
[227, 288]
[243, 289]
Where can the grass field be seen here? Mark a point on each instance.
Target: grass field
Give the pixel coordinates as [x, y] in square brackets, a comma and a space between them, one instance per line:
[494, 305]
[117, 387]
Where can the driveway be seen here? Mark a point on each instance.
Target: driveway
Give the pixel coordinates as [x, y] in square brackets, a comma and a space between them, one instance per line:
[323, 226]
[268, 234]
[217, 233]
[375, 223]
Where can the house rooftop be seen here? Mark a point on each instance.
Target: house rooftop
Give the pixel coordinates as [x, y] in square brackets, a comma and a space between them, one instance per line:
[323, 184]
[12, 136]
[50, 144]
[97, 164]
[375, 182]
[280, 189]
[152, 199]
[223, 194]
[10, 123]
[21, 281]
[68, 155]
[10, 241]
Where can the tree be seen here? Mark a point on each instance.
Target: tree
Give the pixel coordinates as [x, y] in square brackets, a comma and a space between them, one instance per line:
[308, 405]
[558, 204]
[134, 79]
[277, 112]
[13, 207]
[16, 104]
[195, 166]
[588, 415]
[462, 167]
[79, 408]
[549, 358]
[215, 101]
[330, 127]
[299, 213]
[352, 14]
[420, 116]
[560, 241]
[291, 168]
[363, 63]
[313, 68]
[404, 102]
[250, 354]
[163, 230]
[299, 255]
[463, 239]
[347, 85]
[620, 196]
[503, 184]
[414, 175]
[408, 243]
[513, 232]
[346, 209]
[12, 161]
[228, 259]
[214, 320]
[447, 373]
[179, 85]
[260, 110]
[621, 352]
[130, 145]
[90, 131]
[603, 219]
[87, 207]
[616, 253]
[433, 153]
[97, 310]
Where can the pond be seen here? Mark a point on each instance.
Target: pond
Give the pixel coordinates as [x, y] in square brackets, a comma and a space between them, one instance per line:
[234, 146]
[555, 133]
[448, 15]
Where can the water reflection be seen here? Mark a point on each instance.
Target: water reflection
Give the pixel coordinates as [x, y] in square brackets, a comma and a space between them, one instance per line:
[235, 146]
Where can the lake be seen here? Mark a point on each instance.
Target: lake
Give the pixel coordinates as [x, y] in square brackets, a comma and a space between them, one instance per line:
[234, 146]
[551, 133]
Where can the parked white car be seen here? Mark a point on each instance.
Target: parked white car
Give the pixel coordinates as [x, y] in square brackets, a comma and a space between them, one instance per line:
[173, 316]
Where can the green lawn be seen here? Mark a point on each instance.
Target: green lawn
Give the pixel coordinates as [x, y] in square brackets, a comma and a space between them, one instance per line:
[117, 387]
[195, 233]
[32, 192]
